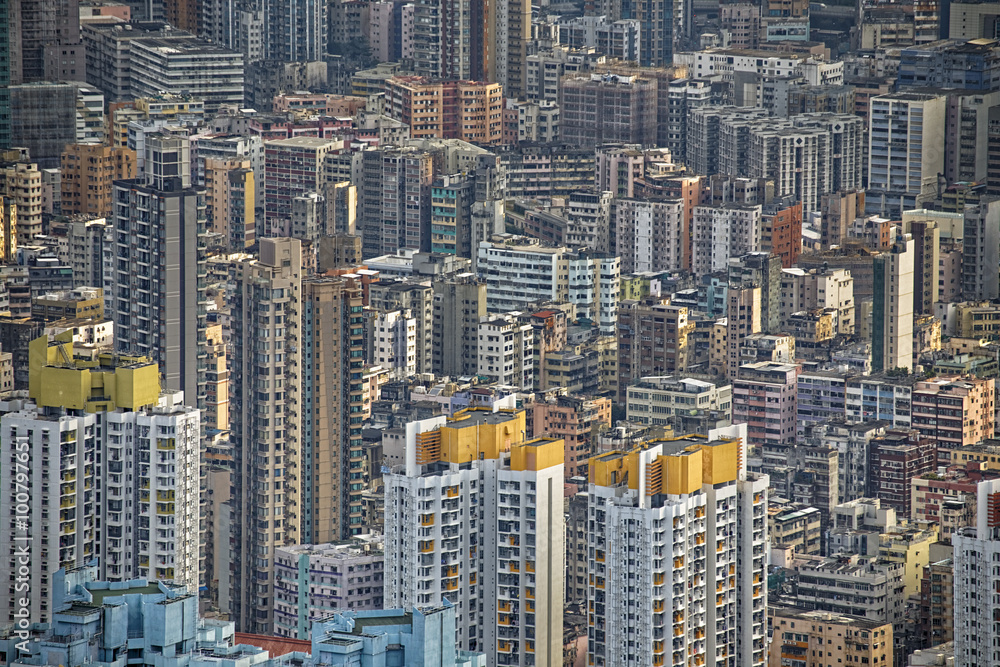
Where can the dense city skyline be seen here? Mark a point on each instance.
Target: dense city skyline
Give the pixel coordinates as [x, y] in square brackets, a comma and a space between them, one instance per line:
[474, 334]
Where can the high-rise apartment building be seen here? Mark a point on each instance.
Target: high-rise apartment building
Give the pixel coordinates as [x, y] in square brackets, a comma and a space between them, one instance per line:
[23, 183]
[808, 156]
[451, 211]
[976, 548]
[293, 167]
[8, 228]
[265, 425]
[703, 145]
[608, 108]
[332, 361]
[88, 170]
[505, 352]
[677, 555]
[156, 290]
[905, 150]
[216, 413]
[476, 517]
[231, 191]
[6, 14]
[99, 421]
[43, 39]
[295, 30]
[459, 304]
[652, 340]
[664, 25]
[926, 265]
[743, 319]
[43, 119]
[90, 245]
[764, 398]
[395, 200]
[449, 39]
[724, 231]
[892, 307]
[763, 270]
[981, 250]
[650, 235]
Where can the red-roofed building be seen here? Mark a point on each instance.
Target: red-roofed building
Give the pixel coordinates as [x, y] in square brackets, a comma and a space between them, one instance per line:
[275, 646]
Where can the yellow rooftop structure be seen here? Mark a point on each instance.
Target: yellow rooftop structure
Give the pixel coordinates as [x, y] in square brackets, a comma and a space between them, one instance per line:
[681, 466]
[472, 434]
[64, 375]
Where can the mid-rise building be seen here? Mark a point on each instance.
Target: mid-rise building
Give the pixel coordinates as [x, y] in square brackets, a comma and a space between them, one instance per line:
[608, 108]
[650, 235]
[842, 639]
[763, 270]
[897, 457]
[313, 581]
[829, 289]
[954, 411]
[523, 273]
[392, 342]
[293, 167]
[652, 340]
[654, 400]
[22, 182]
[764, 398]
[506, 353]
[459, 304]
[724, 231]
[972, 65]
[880, 397]
[905, 155]
[447, 109]
[8, 228]
[88, 171]
[691, 500]
[860, 585]
[577, 421]
[797, 528]
[89, 242]
[416, 298]
[186, 66]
